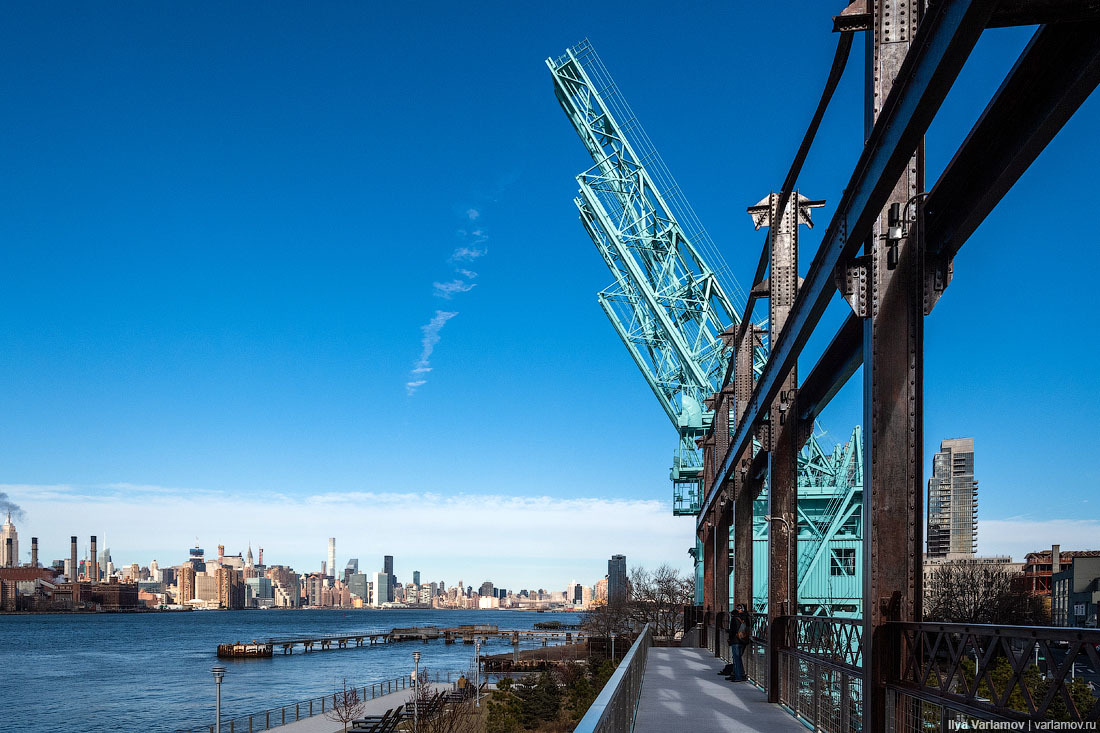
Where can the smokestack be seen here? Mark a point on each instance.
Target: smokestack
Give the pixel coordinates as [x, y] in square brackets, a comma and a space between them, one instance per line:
[8, 562]
[1055, 559]
[34, 552]
[73, 574]
[93, 568]
[332, 555]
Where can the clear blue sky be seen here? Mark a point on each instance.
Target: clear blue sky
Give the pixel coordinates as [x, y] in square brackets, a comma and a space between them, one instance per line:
[221, 228]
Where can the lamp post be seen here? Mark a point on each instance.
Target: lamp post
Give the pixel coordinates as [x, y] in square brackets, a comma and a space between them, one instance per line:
[477, 673]
[219, 673]
[787, 526]
[612, 647]
[416, 692]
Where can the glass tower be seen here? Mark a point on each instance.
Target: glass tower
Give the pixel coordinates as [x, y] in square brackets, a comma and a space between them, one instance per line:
[953, 500]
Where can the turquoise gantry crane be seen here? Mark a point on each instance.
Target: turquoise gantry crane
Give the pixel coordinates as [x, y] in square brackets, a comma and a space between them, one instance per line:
[672, 301]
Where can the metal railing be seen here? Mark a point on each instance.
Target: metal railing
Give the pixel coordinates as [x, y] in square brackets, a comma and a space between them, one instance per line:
[960, 673]
[942, 676]
[617, 704]
[303, 709]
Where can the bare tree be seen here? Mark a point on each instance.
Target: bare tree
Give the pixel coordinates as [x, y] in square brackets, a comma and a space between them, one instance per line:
[659, 597]
[347, 705]
[656, 597]
[974, 592]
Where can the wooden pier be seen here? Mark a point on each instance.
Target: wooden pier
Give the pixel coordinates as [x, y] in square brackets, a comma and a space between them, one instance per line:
[467, 633]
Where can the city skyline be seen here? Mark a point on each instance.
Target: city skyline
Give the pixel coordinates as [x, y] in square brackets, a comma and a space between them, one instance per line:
[546, 565]
[217, 323]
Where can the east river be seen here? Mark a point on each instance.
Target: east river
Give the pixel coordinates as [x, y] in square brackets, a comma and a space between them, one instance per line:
[151, 672]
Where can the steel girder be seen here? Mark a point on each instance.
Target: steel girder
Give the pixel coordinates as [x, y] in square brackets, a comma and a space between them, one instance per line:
[942, 44]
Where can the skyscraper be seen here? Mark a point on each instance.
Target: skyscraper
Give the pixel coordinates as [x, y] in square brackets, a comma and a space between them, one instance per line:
[616, 580]
[332, 555]
[9, 552]
[381, 588]
[391, 579]
[352, 568]
[953, 500]
[416, 578]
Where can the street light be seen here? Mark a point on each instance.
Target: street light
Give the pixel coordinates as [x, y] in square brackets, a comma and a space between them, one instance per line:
[218, 672]
[477, 672]
[787, 526]
[612, 647]
[416, 692]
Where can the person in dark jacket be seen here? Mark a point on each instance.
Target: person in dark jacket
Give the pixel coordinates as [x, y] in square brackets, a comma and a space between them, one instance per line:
[740, 630]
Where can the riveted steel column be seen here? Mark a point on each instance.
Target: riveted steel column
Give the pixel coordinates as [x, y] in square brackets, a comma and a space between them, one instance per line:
[707, 535]
[783, 455]
[893, 374]
[743, 495]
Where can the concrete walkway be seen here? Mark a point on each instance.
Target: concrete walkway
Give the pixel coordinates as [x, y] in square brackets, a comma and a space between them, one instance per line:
[682, 691]
[379, 705]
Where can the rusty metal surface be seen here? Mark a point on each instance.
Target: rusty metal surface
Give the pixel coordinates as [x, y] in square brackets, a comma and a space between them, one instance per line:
[893, 379]
[945, 40]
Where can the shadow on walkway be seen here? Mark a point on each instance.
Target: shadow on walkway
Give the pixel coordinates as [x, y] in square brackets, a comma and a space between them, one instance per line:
[681, 690]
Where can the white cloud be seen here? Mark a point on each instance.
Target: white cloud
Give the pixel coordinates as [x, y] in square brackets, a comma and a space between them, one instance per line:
[467, 254]
[428, 340]
[468, 274]
[447, 290]
[516, 541]
[1017, 536]
[472, 214]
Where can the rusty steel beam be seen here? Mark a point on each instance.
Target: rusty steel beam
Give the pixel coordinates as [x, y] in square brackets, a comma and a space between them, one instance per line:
[1052, 78]
[941, 46]
[836, 71]
[1008, 13]
[836, 365]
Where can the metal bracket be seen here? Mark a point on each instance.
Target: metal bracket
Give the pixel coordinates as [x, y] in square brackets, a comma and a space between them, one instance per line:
[937, 276]
[853, 282]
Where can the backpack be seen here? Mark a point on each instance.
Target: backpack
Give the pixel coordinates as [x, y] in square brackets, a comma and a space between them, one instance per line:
[743, 632]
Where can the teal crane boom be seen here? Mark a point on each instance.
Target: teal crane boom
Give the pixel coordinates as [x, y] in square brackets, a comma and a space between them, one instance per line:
[672, 309]
[667, 305]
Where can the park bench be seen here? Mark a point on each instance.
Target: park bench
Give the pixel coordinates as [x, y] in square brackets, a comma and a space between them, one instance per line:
[385, 723]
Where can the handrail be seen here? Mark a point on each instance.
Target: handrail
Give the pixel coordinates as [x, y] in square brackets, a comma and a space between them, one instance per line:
[304, 709]
[617, 704]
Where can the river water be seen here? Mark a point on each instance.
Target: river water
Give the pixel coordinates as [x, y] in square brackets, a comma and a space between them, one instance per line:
[151, 672]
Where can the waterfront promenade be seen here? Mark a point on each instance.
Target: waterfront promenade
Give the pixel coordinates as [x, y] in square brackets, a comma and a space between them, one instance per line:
[377, 706]
[683, 684]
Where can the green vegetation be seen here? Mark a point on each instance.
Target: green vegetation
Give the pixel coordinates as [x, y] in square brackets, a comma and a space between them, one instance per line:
[1032, 681]
[550, 701]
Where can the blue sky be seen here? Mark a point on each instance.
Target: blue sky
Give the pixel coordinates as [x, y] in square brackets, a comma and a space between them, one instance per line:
[223, 229]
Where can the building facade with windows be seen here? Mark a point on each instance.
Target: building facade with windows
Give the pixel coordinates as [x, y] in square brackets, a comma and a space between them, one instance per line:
[1075, 593]
[953, 500]
[617, 592]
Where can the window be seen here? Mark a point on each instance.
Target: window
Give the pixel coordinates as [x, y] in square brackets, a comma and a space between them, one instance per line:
[842, 561]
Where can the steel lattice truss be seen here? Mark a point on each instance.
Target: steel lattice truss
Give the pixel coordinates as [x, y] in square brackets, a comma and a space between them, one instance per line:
[667, 305]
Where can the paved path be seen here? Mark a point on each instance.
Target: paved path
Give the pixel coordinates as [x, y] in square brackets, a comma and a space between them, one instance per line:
[377, 706]
[682, 691]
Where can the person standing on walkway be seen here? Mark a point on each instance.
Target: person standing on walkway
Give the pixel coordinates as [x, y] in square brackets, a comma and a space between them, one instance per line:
[739, 634]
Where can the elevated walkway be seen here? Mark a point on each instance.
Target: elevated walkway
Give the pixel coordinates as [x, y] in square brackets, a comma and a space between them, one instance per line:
[681, 690]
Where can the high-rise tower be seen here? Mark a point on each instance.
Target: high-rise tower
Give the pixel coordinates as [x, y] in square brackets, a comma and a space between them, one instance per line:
[953, 500]
[616, 580]
[9, 554]
[332, 555]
